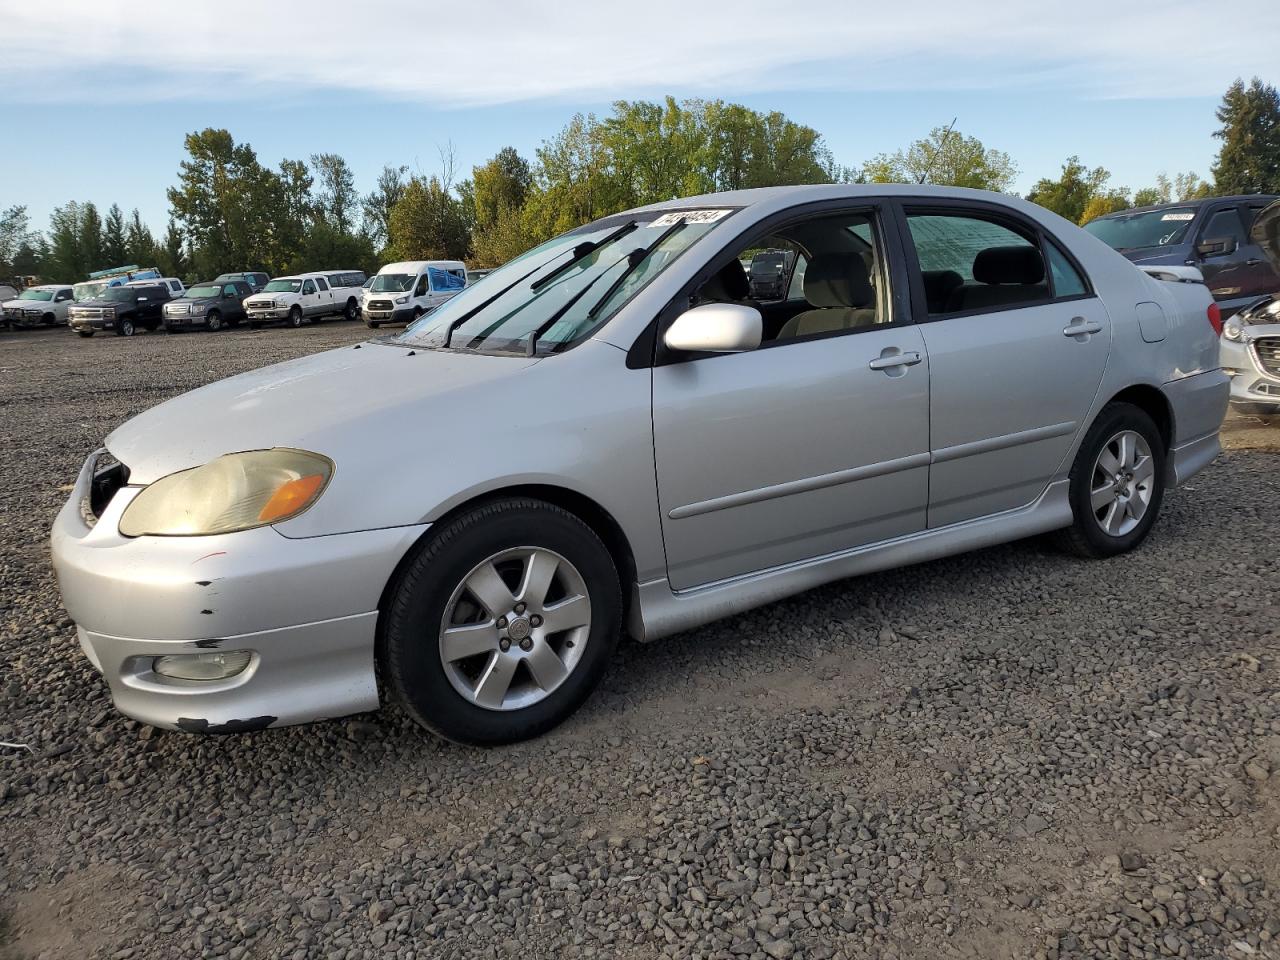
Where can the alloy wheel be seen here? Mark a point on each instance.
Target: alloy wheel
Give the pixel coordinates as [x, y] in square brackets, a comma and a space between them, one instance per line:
[515, 628]
[1122, 483]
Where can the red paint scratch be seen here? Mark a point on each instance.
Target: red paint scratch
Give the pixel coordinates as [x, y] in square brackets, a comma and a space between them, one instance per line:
[219, 553]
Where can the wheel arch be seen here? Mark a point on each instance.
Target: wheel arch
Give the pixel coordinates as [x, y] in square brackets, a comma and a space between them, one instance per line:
[1151, 401]
[590, 512]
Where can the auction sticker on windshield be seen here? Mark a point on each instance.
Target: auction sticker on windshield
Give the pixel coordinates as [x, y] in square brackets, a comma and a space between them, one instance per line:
[690, 216]
[1178, 216]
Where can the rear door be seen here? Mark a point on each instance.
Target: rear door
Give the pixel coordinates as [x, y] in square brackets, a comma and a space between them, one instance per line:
[1016, 354]
[1261, 278]
[324, 296]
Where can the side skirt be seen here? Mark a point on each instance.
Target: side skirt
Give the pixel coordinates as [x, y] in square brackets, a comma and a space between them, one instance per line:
[658, 611]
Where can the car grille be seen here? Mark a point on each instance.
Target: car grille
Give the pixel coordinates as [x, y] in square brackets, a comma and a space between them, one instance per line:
[33, 314]
[260, 305]
[177, 309]
[379, 305]
[13, 313]
[88, 313]
[1267, 350]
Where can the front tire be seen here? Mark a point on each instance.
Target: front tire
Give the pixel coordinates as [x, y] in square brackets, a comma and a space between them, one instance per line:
[352, 311]
[85, 333]
[295, 316]
[503, 623]
[125, 328]
[1117, 484]
[214, 321]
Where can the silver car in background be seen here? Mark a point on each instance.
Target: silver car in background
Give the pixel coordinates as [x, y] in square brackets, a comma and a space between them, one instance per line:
[1251, 338]
[609, 433]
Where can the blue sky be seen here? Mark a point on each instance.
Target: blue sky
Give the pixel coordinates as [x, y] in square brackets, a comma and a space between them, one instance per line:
[106, 124]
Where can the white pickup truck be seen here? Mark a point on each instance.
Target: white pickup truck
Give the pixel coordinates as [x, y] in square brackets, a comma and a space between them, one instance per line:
[306, 297]
[45, 304]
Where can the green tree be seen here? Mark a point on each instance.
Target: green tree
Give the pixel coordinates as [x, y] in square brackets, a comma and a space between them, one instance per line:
[945, 157]
[500, 184]
[139, 244]
[1249, 159]
[428, 223]
[114, 250]
[171, 255]
[91, 245]
[15, 230]
[387, 192]
[1072, 193]
[336, 201]
[66, 263]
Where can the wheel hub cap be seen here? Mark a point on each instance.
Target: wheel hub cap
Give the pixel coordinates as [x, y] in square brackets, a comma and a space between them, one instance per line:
[515, 628]
[1123, 482]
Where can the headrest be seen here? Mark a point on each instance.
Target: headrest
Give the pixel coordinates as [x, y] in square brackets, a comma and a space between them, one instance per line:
[1020, 264]
[729, 283]
[938, 284]
[838, 280]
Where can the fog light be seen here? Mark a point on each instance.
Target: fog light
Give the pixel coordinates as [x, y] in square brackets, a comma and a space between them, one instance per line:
[203, 666]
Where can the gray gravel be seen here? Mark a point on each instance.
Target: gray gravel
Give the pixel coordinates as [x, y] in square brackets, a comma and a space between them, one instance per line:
[1007, 754]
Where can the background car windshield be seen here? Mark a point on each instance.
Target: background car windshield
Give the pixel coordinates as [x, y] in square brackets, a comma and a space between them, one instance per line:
[196, 293]
[283, 286]
[1154, 228]
[119, 294]
[36, 295]
[505, 325]
[392, 282]
[87, 291]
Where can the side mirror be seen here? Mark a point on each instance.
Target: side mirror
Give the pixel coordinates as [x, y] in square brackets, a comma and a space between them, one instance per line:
[716, 328]
[1216, 247]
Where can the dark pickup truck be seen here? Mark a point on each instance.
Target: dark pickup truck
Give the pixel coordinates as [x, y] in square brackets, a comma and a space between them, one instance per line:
[123, 309]
[208, 305]
[1212, 235]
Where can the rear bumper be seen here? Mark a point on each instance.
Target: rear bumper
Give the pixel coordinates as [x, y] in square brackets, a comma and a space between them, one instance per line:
[1199, 405]
[305, 610]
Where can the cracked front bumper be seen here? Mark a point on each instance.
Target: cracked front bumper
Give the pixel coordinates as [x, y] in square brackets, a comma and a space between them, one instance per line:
[305, 610]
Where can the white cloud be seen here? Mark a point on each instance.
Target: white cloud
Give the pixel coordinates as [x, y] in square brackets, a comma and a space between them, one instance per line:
[489, 51]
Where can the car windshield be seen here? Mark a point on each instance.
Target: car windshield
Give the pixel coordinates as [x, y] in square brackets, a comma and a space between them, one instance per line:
[197, 293]
[120, 294]
[36, 295]
[88, 291]
[589, 274]
[392, 282]
[283, 286]
[1150, 228]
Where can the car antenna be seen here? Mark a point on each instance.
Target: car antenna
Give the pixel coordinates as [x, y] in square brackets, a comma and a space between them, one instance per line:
[942, 143]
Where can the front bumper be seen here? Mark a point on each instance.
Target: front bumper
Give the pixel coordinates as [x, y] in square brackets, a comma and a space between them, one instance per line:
[187, 320]
[398, 315]
[91, 323]
[266, 314]
[306, 609]
[1251, 383]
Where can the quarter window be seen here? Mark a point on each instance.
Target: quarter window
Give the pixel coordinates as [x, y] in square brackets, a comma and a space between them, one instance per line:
[1067, 281]
[970, 263]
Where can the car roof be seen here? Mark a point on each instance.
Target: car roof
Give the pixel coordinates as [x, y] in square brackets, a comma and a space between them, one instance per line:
[1195, 204]
[403, 266]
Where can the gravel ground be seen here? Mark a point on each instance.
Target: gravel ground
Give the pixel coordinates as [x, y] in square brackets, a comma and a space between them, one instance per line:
[1007, 754]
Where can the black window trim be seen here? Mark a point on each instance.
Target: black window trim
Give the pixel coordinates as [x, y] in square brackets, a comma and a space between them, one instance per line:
[992, 213]
[648, 349]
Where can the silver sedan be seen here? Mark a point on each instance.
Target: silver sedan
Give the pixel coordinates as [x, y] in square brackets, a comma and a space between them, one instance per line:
[612, 433]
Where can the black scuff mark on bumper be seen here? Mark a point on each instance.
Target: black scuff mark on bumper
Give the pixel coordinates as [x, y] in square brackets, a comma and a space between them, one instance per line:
[194, 725]
[211, 644]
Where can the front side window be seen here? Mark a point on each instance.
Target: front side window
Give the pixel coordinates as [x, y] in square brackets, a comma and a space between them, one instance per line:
[308, 287]
[818, 276]
[970, 263]
[421, 289]
[559, 293]
[1224, 225]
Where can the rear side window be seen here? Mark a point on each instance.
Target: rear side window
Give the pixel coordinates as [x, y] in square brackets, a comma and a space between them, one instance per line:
[970, 263]
[1067, 281]
[321, 283]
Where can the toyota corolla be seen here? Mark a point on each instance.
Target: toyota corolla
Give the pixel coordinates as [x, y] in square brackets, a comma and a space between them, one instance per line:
[610, 434]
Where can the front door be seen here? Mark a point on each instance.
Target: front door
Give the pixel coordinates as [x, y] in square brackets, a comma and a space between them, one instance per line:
[1227, 273]
[814, 443]
[1016, 354]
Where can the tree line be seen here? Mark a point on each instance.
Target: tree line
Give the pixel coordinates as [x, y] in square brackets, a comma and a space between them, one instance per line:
[228, 211]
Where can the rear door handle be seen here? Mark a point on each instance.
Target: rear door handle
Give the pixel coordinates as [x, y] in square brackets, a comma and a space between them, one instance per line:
[891, 358]
[1080, 327]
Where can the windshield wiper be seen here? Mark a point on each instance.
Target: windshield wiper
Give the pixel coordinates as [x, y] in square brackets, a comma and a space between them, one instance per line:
[448, 335]
[582, 251]
[632, 259]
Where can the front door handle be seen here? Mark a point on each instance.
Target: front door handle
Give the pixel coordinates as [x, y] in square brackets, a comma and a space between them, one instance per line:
[1252, 262]
[891, 358]
[1081, 329]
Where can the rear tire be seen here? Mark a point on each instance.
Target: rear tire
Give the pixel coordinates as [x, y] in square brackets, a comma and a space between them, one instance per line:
[1117, 484]
[543, 682]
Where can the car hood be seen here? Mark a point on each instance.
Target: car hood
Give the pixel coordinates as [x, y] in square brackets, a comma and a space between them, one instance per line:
[101, 303]
[203, 301]
[1266, 233]
[354, 405]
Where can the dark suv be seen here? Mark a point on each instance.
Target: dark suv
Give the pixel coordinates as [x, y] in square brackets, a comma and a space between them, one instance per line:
[1212, 235]
[254, 278]
[123, 309]
[209, 305]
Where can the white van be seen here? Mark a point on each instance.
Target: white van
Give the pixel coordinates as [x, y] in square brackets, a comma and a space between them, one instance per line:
[404, 291]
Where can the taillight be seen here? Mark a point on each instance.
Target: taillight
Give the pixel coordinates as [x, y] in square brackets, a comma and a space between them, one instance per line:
[1215, 318]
